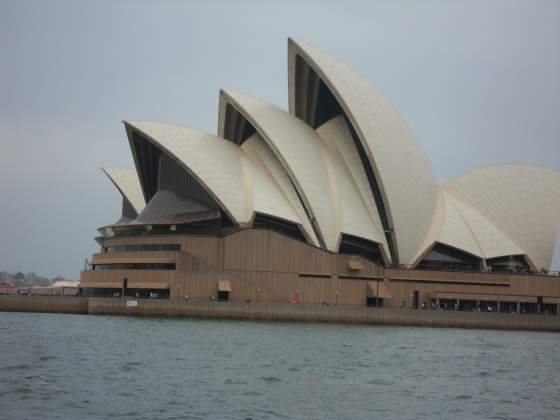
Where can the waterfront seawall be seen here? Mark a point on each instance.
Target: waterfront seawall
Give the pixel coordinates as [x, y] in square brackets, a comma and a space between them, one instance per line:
[57, 304]
[280, 312]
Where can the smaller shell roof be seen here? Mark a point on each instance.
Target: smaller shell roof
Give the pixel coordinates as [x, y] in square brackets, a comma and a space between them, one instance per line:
[316, 165]
[272, 191]
[522, 201]
[128, 184]
[213, 162]
[459, 225]
[354, 202]
[298, 148]
[241, 180]
[492, 241]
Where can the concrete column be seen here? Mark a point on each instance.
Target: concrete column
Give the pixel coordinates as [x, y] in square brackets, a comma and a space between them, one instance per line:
[497, 306]
[558, 309]
[518, 307]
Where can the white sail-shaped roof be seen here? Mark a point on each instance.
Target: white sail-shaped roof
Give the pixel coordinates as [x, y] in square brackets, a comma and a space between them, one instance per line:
[522, 201]
[491, 240]
[273, 192]
[213, 162]
[315, 166]
[298, 148]
[407, 186]
[355, 205]
[240, 179]
[459, 225]
[127, 182]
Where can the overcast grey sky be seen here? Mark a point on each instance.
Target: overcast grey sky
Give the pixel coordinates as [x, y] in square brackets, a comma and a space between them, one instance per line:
[477, 81]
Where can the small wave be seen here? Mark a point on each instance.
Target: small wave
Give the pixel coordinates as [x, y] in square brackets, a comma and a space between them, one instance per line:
[271, 379]
[230, 381]
[22, 366]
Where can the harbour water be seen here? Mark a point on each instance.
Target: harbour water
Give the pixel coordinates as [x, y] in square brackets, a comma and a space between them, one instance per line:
[88, 367]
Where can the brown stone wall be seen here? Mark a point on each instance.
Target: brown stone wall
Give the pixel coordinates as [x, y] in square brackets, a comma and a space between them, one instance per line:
[60, 304]
[265, 266]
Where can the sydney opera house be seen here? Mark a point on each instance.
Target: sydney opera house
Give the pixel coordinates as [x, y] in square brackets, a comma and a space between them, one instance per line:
[333, 201]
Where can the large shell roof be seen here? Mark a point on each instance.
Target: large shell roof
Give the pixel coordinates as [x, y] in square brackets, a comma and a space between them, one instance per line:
[403, 172]
[315, 165]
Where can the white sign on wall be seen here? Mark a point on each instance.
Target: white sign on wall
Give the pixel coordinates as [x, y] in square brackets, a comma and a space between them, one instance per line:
[131, 303]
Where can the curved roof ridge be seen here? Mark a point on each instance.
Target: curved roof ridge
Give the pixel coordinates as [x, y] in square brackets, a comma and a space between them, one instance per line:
[501, 165]
[287, 136]
[270, 195]
[523, 201]
[492, 240]
[128, 184]
[213, 162]
[403, 175]
[451, 201]
[230, 175]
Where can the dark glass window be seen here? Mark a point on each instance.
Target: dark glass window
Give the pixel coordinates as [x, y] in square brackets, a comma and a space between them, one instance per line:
[134, 266]
[352, 245]
[509, 264]
[144, 247]
[442, 257]
[286, 228]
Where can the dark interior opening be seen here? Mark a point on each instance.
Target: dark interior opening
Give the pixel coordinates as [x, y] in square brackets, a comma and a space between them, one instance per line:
[374, 302]
[508, 264]
[352, 245]
[443, 257]
[376, 192]
[284, 227]
[160, 171]
[134, 266]
[127, 209]
[222, 296]
[143, 247]
[147, 163]
[173, 177]
[148, 293]
[236, 128]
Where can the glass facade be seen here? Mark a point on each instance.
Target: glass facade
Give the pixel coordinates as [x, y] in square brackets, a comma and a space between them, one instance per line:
[143, 247]
[134, 266]
[442, 257]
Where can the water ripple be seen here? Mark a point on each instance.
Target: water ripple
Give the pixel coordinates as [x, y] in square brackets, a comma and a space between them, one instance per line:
[69, 366]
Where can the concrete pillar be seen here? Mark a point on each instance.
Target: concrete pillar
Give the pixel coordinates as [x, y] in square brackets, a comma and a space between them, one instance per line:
[558, 309]
[497, 306]
[518, 307]
[478, 305]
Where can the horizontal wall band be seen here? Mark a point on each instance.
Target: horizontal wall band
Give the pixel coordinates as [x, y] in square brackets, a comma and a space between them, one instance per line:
[321, 275]
[459, 282]
[348, 277]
